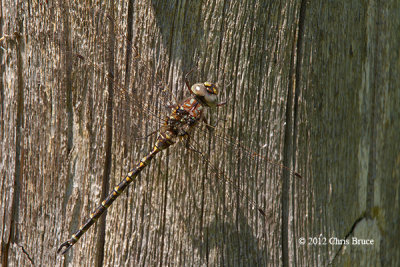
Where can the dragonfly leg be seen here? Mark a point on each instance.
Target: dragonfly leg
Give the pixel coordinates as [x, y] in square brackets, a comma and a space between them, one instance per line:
[189, 147]
[209, 126]
[187, 143]
[171, 105]
[187, 85]
[144, 137]
[187, 80]
[221, 104]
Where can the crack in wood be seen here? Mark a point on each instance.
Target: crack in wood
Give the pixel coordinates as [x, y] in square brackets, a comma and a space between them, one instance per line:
[26, 253]
[350, 232]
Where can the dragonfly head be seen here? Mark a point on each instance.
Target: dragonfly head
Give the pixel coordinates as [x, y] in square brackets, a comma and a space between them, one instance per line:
[207, 93]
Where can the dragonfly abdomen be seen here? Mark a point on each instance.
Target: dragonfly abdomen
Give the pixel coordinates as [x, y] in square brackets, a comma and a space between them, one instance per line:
[162, 143]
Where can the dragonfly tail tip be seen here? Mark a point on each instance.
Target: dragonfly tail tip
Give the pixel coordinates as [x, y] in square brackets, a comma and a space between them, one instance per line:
[64, 247]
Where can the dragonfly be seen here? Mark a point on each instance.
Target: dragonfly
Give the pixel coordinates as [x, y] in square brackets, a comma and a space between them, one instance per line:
[178, 126]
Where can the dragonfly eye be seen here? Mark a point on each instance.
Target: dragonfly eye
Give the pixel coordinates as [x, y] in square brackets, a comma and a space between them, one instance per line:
[211, 88]
[207, 92]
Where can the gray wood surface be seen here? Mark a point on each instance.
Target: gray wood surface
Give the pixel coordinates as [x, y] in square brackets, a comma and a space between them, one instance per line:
[310, 85]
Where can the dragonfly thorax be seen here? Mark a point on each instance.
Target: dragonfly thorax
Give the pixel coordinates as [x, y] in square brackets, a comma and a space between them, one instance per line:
[185, 116]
